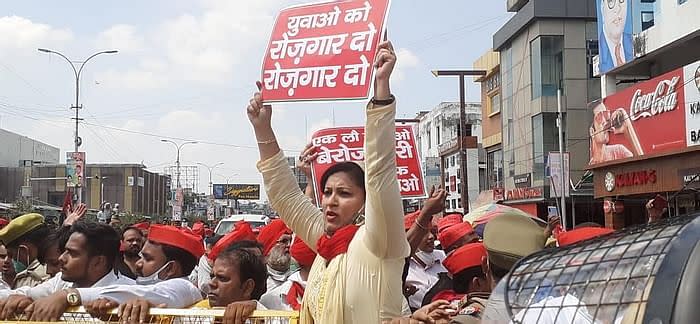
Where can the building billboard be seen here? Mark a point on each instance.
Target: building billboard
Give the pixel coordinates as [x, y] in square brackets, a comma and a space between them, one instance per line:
[614, 33]
[75, 167]
[237, 191]
[653, 117]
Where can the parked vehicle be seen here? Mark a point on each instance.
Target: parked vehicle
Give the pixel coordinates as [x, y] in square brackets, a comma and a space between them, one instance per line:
[227, 224]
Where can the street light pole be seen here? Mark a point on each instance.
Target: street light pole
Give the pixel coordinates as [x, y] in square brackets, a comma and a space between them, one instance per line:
[178, 147]
[211, 168]
[77, 140]
[462, 126]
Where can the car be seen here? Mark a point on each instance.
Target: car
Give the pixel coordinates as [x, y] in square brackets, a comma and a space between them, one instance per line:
[227, 224]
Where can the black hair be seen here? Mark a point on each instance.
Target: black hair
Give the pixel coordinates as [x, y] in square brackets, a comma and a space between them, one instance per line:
[246, 244]
[37, 237]
[129, 228]
[59, 237]
[250, 266]
[100, 239]
[356, 174]
[497, 272]
[212, 240]
[186, 259]
[463, 280]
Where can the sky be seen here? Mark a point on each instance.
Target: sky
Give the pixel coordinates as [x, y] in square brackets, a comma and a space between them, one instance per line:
[186, 70]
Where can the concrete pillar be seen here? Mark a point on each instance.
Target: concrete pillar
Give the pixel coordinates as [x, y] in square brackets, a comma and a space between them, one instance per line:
[608, 85]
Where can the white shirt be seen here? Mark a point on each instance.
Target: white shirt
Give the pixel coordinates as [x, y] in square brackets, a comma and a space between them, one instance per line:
[57, 283]
[424, 277]
[203, 274]
[276, 298]
[565, 309]
[173, 293]
[276, 278]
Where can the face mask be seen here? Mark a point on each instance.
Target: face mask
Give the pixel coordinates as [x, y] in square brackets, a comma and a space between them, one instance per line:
[152, 279]
[426, 257]
[19, 267]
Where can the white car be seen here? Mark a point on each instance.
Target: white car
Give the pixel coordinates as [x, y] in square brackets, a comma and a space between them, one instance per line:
[227, 224]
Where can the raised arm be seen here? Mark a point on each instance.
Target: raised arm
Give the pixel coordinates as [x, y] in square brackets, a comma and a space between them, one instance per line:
[282, 190]
[385, 235]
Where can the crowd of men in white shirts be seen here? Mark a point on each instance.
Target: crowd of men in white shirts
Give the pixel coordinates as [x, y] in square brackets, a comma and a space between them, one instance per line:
[47, 270]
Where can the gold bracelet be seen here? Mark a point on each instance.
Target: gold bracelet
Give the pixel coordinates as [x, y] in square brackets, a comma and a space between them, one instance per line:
[420, 226]
[268, 141]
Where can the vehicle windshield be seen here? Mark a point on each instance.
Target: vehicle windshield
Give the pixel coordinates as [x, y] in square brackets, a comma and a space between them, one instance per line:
[226, 227]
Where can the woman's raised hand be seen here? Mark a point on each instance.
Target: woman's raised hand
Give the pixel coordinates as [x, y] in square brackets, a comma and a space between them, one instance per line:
[259, 115]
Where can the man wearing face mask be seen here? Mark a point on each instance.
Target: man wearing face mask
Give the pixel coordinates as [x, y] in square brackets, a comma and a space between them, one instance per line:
[86, 260]
[275, 239]
[167, 258]
[25, 238]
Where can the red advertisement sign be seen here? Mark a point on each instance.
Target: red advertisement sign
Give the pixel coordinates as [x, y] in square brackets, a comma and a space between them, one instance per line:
[323, 51]
[344, 144]
[646, 119]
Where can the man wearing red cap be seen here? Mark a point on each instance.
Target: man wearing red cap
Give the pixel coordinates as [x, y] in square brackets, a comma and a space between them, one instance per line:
[453, 236]
[424, 265]
[168, 256]
[288, 295]
[275, 238]
[242, 232]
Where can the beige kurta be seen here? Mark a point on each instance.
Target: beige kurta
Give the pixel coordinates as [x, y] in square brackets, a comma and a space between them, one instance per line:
[363, 285]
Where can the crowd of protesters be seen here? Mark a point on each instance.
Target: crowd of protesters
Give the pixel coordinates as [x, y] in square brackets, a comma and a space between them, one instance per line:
[357, 259]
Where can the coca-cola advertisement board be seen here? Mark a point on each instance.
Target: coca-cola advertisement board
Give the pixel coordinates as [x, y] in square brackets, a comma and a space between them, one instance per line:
[647, 119]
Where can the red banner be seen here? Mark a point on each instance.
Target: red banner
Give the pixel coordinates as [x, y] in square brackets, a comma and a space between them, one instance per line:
[645, 119]
[344, 144]
[323, 51]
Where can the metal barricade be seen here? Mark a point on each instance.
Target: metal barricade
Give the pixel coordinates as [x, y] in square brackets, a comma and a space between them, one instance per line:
[177, 316]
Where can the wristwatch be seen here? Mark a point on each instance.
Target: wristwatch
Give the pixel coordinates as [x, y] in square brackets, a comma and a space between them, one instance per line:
[383, 102]
[73, 297]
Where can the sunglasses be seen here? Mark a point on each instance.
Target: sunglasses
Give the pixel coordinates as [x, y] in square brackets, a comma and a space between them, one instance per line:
[611, 3]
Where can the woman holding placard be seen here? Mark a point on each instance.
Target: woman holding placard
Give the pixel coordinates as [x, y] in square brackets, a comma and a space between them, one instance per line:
[356, 277]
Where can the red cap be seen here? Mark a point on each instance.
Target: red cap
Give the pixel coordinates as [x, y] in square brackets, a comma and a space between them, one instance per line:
[270, 233]
[3, 222]
[448, 295]
[410, 219]
[581, 234]
[453, 233]
[178, 237]
[198, 228]
[241, 232]
[448, 221]
[467, 256]
[302, 253]
[142, 226]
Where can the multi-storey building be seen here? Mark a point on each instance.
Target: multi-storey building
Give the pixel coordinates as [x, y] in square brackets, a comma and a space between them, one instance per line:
[645, 132]
[545, 47]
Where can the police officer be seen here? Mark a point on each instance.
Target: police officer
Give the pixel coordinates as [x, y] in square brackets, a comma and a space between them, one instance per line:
[26, 240]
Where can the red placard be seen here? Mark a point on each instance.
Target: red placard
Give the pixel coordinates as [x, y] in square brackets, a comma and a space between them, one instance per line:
[323, 51]
[645, 119]
[344, 144]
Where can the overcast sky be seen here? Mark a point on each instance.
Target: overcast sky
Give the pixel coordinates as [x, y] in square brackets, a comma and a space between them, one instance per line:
[185, 69]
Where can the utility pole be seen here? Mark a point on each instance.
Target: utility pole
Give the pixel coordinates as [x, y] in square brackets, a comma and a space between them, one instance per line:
[211, 168]
[562, 191]
[462, 127]
[77, 140]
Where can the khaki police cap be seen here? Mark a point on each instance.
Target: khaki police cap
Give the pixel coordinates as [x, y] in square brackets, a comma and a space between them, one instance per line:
[510, 237]
[19, 226]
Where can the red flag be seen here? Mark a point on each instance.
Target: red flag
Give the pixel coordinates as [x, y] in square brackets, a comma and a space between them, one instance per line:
[67, 203]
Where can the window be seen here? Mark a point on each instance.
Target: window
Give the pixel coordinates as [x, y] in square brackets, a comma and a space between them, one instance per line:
[494, 169]
[437, 134]
[545, 139]
[495, 103]
[459, 202]
[493, 82]
[647, 19]
[429, 139]
[547, 65]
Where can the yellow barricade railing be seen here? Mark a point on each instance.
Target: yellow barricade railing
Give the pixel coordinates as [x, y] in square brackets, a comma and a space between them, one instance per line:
[176, 316]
